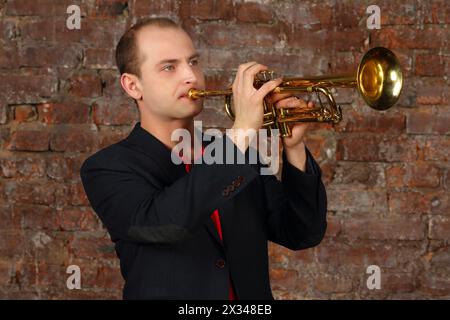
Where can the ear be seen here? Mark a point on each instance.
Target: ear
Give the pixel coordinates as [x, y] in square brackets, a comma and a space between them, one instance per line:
[132, 85]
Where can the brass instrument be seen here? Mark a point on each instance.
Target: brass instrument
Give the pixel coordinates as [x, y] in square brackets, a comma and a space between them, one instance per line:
[378, 79]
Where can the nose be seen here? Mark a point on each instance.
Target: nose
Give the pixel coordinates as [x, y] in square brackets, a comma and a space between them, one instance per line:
[189, 75]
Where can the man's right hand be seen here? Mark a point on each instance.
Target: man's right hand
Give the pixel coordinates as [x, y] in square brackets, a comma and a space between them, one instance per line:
[248, 101]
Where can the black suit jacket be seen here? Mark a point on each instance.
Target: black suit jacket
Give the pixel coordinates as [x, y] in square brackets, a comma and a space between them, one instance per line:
[158, 216]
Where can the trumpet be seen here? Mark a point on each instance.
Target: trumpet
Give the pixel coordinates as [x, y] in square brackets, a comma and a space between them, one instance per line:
[378, 79]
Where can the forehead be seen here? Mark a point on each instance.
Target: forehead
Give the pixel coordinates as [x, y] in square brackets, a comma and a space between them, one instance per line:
[156, 43]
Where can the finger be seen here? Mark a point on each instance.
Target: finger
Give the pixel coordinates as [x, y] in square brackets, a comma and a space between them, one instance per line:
[241, 69]
[250, 74]
[275, 97]
[268, 87]
[292, 102]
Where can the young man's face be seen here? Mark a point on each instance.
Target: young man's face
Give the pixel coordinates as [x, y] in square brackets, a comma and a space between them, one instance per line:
[169, 68]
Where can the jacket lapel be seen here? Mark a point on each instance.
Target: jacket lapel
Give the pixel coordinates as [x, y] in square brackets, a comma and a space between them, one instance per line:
[143, 141]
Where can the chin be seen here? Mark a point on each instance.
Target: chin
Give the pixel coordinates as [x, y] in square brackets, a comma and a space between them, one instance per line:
[192, 110]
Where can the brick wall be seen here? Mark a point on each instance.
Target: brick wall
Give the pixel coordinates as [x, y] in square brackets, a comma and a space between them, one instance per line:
[387, 173]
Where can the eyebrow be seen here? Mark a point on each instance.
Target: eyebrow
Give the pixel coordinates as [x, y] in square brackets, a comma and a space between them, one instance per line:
[195, 55]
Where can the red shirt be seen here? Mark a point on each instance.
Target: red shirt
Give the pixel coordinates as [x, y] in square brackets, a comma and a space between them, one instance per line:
[216, 219]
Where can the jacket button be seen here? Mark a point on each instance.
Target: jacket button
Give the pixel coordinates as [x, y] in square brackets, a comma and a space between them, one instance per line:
[220, 263]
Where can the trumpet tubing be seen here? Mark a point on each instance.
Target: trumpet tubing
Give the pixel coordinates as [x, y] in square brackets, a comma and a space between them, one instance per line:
[378, 79]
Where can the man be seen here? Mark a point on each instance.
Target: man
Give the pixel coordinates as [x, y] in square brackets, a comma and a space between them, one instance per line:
[197, 231]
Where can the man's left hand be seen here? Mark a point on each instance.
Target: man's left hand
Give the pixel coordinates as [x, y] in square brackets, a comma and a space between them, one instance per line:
[294, 145]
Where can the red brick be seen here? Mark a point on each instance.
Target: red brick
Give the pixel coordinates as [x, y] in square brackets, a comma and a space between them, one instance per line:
[9, 57]
[207, 9]
[220, 59]
[358, 174]
[36, 217]
[27, 192]
[108, 8]
[115, 113]
[414, 202]
[76, 219]
[397, 13]
[143, 8]
[25, 113]
[9, 220]
[29, 140]
[391, 122]
[101, 277]
[439, 228]
[77, 196]
[429, 65]
[85, 86]
[22, 166]
[41, 29]
[383, 228]
[335, 283]
[73, 139]
[361, 254]
[46, 246]
[254, 12]
[52, 113]
[334, 226]
[45, 56]
[305, 15]
[111, 85]
[447, 180]
[325, 40]
[359, 148]
[400, 148]
[437, 148]
[6, 273]
[94, 32]
[27, 88]
[282, 278]
[415, 175]
[99, 58]
[30, 8]
[92, 247]
[358, 201]
[434, 285]
[11, 245]
[429, 121]
[63, 168]
[432, 91]
[284, 257]
[430, 37]
[438, 12]
[248, 35]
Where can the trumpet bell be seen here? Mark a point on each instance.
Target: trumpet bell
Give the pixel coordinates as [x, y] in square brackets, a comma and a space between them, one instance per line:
[379, 78]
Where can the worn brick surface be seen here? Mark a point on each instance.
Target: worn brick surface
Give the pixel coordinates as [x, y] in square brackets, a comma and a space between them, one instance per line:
[387, 173]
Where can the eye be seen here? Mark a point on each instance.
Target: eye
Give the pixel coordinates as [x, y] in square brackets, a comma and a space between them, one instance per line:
[169, 67]
[193, 62]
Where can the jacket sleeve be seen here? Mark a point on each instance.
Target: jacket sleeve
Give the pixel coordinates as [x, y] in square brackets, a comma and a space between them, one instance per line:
[297, 206]
[133, 209]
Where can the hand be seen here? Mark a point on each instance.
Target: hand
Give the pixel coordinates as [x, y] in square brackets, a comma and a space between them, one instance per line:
[286, 100]
[294, 146]
[248, 101]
